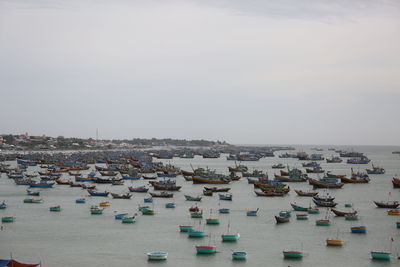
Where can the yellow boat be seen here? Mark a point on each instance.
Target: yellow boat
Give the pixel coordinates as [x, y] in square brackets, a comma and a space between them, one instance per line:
[104, 204]
[334, 242]
[394, 212]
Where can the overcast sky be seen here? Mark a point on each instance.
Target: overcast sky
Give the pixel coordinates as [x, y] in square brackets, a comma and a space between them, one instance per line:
[256, 72]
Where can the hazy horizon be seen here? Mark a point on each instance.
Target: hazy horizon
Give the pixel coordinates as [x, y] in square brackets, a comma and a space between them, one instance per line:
[273, 72]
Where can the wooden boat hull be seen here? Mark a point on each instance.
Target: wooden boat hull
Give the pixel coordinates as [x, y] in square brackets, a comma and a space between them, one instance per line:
[298, 208]
[186, 228]
[334, 242]
[7, 219]
[319, 184]
[342, 213]
[239, 255]
[196, 234]
[157, 256]
[212, 221]
[323, 223]
[201, 180]
[305, 194]
[392, 205]
[359, 229]
[293, 254]
[230, 238]
[280, 219]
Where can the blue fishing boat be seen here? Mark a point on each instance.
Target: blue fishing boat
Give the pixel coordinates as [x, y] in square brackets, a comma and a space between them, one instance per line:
[359, 229]
[3, 205]
[148, 200]
[252, 212]
[239, 255]
[41, 185]
[224, 210]
[80, 201]
[120, 216]
[84, 179]
[225, 197]
[170, 205]
[128, 177]
[140, 189]
[98, 194]
[158, 255]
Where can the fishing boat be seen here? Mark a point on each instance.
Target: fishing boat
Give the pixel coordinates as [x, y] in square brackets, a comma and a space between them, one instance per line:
[321, 203]
[42, 185]
[194, 208]
[59, 181]
[128, 219]
[280, 219]
[375, 170]
[208, 193]
[333, 160]
[342, 213]
[351, 217]
[104, 204]
[226, 196]
[206, 249]
[239, 255]
[387, 204]
[285, 213]
[212, 221]
[170, 205]
[139, 189]
[293, 254]
[207, 180]
[396, 182]
[162, 194]
[126, 196]
[224, 211]
[334, 242]
[312, 210]
[14, 263]
[228, 237]
[157, 255]
[55, 208]
[196, 214]
[380, 255]
[397, 224]
[315, 170]
[278, 166]
[186, 228]
[84, 179]
[80, 201]
[33, 200]
[191, 198]
[166, 187]
[148, 212]
[323, 222]
[148, 200]
[269, 193]
[196, 234]
[306, 194]
[142, 208]
[298, 208]
[120, 216]
[393, 212]
[252, 212]
[95, 210]
[97, 194]
[131, 177]
[324, 183]
[302, 216]
[216, 189]
[7, 219]
[359, 229]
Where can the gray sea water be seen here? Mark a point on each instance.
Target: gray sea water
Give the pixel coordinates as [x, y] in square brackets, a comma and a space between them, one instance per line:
[73, 237]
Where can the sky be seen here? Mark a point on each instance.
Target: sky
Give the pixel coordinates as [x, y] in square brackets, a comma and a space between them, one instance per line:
[247, 72]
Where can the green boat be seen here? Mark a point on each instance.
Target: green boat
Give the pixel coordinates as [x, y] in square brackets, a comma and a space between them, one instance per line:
[351, 217]
[380, 255]
[95, 210]
[142, 208]
[55, 208]
[7, 219]
[230, 237]
[322, 223]
[292, 254]
[206, 249]
[128, 220]
[196, 234]
[33, 200]
[398, 224]
[313, 211]
[298, 208]
[148, 212]
[303, 216]
[212, 221]
[186, 228]
[196, 214]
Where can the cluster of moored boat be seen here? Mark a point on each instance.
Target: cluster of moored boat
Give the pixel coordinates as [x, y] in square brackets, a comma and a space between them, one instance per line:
[127, 167]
